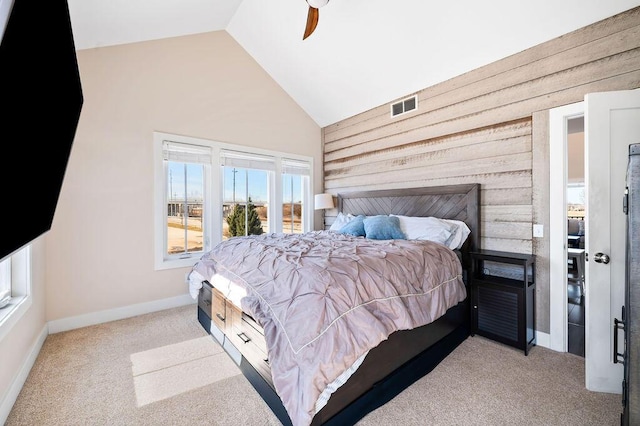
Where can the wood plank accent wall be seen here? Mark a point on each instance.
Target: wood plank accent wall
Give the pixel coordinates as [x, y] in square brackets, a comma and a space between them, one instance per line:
[477, 127]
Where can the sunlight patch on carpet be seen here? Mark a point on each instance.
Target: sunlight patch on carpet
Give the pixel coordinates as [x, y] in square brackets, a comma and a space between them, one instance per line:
[170, 370]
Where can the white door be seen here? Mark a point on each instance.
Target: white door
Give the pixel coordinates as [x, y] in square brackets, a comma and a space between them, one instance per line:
[612, 122]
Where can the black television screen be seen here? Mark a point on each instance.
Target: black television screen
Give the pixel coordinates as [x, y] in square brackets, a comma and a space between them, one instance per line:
[42, 98]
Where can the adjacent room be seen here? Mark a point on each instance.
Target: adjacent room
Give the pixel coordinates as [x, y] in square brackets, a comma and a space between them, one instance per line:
[313, 212]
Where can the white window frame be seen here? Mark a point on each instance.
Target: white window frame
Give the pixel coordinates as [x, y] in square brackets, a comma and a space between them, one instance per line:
[213, 196]
[21, 299]
[290, 167]
[163, 259]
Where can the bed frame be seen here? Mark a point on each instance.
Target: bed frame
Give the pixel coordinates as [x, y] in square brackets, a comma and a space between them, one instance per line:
[406, 355]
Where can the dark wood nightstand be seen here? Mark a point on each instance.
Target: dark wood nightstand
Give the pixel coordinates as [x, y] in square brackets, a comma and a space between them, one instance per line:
[503, 306]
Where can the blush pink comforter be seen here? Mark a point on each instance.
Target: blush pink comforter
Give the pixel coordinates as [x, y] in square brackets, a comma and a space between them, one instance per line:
[324, 299]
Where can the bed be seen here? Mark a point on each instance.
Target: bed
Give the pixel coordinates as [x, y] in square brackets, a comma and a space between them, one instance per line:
[320, 354]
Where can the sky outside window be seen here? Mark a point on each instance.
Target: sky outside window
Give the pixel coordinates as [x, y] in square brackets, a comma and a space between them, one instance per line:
[575, 194]
[176, 182]
[257, 184]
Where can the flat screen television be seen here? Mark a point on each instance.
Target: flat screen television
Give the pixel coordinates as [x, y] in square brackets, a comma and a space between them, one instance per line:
[41, 101]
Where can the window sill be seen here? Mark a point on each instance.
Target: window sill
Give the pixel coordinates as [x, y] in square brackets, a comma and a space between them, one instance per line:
[177, 263]
[11, 314]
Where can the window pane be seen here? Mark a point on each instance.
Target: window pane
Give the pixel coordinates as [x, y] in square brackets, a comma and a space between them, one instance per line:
[575, 201]
[246, 201]
[292, 207]
[5, 280]
[185, 196]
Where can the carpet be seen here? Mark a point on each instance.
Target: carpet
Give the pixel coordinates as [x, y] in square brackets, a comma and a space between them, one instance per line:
[163, 369]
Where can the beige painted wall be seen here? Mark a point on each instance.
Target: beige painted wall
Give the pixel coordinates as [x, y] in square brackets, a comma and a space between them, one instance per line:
[16, 346]
[575, 157]
[100, 248]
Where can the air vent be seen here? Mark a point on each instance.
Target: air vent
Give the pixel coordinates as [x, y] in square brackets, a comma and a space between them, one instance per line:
[404, 105]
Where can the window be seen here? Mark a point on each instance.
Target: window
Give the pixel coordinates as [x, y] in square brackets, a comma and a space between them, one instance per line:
[5, 282]
[15, 288]
[246, 197]
[187, 166]
[295, 187]
[575, 200]
[209, 191]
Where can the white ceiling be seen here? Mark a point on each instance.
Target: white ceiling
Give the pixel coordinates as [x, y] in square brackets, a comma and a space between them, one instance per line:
[364, 53]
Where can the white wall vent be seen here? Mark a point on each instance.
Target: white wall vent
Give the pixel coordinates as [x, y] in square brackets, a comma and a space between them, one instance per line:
[405, 105]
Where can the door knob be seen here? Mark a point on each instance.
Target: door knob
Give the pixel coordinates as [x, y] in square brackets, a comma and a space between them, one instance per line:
[601, 258]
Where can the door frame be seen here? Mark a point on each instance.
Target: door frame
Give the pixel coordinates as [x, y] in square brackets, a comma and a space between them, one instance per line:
[558, 169]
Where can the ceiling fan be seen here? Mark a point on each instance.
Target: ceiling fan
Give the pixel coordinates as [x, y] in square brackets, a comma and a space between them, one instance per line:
[313, 15]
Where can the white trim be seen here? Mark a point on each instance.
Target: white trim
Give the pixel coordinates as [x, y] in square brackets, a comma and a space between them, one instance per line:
[14, 390]
[558, 117]
[543, 339]
[93, 318]
[8, 321]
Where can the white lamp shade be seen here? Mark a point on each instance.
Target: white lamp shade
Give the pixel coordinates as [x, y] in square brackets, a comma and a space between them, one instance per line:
[317, 3]
[323, 201]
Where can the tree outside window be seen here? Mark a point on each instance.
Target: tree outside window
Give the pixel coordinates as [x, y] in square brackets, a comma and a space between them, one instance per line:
[244, 221]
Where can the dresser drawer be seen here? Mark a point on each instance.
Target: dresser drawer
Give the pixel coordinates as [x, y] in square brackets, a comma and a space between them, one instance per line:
[204, 298]
[219, 309]
[247, 336]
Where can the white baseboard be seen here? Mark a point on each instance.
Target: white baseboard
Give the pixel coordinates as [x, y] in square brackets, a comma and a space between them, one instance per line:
[542, 339]
[71, 323]
[15, 388]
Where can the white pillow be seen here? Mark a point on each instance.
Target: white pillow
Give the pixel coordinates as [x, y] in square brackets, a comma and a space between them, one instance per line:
[460, 232]
[425, 228]
[340, 221]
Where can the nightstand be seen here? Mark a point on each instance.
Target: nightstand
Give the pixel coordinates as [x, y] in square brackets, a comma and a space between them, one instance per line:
[503, 303]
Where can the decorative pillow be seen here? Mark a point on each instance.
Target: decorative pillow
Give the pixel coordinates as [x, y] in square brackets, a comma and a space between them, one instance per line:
[460, 232]
[340, 221]
[382, 227]
[425, 228]
[355, 227]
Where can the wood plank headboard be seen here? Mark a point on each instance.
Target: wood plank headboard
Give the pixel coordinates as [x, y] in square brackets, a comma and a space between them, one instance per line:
[459, 202]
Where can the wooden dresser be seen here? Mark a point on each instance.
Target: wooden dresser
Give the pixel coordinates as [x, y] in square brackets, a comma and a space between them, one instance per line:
[230, 326]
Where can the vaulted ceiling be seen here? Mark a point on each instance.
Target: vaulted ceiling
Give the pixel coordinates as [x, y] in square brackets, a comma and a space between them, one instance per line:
[364, 53]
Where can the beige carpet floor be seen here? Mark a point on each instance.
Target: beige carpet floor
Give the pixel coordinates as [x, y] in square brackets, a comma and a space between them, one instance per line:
[163, 369]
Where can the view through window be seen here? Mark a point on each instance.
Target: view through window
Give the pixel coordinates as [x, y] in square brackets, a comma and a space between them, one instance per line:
[185, 207]
[246, 202]
[291, 204]
[575, 201]
[295, 187]
[210, 191]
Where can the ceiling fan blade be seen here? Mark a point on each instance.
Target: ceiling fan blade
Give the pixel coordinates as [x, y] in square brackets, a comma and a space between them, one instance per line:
[312, 21]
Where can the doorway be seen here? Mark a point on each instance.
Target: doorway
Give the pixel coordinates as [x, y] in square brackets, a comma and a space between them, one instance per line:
[564, 122]
[576, 236]
[610, 123]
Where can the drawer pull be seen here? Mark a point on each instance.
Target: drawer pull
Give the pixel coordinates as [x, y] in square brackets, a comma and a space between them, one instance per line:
[266, 360]
[244, 337]
[220, 317]
[207, 302]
